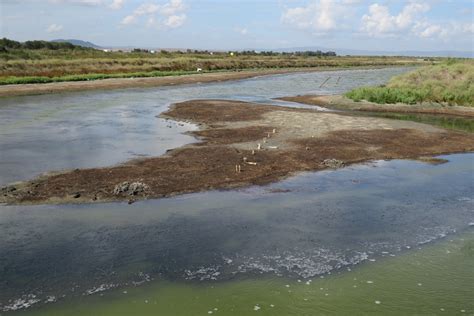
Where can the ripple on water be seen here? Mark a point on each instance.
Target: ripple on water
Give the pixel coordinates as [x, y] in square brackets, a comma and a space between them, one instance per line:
[215, 236]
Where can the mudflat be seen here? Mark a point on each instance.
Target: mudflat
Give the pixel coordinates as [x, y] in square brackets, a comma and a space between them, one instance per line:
[243, 144]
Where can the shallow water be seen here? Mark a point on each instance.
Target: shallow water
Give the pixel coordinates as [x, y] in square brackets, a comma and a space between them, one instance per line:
[229, 250]
[303, 227]
[465, 124]
[433, 280]
[101, 128]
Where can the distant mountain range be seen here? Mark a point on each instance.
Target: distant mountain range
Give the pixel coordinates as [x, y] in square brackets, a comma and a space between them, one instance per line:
[356, 52]
[78, 43]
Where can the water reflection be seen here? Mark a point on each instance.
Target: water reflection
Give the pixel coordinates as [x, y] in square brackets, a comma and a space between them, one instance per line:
[302, 227]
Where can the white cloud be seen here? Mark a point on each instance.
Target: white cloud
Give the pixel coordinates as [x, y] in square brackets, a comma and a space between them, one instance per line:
[349, 2]
[151, 21]
[410, 21]
[112, 4]
[175, 21]
[241, 30]
[173, 7]
[146, 8]
[379, 22]
[468, 28]
[116, 4]
[410, 12]
[81, 2]
[168, 15]
[88, 2]
[428, 30]
[129, 19]
[319, 16]
[54, 28]
[431, 30]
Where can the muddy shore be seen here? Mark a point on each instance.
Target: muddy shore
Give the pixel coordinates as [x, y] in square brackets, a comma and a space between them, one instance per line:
[243, 144]
[105, 84]
[338, 102]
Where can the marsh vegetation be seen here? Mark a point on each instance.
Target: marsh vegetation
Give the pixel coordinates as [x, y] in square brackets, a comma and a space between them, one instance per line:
[43, 62]
[450, 82]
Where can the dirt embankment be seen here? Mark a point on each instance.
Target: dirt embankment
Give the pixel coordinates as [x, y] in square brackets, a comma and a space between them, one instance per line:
[338, 102]
[243, 144]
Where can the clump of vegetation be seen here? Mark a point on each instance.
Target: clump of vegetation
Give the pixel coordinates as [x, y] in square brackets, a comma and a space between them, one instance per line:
[450, 82]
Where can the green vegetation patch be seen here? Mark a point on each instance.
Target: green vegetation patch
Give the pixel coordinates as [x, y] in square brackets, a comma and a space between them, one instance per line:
[87, 77]
[451, 82]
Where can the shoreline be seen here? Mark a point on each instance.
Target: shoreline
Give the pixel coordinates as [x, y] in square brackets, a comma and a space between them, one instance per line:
[338, 102]
[109, 84]
[243, 144]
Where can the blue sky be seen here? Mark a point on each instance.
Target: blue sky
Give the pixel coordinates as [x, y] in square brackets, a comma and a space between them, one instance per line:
[242, 24]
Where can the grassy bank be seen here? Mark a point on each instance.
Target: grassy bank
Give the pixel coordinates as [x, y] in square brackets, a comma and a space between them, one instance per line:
[127, 63]
[451, 82]
[87, 77]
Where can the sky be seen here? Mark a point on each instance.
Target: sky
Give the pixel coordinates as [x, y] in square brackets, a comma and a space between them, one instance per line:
[382, 25]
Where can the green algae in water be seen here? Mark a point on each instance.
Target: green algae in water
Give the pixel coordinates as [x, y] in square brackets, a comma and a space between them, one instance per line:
[465, 124]
[436, 279]
[74, 250]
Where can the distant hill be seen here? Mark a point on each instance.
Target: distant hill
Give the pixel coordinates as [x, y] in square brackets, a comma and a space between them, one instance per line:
[78, 43]
[355, 52]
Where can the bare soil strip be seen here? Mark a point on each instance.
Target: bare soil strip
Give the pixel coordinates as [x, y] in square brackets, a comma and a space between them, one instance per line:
[290, 140]
[342, 103]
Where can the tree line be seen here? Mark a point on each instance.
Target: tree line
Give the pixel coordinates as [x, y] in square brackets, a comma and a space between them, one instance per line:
[8, 44]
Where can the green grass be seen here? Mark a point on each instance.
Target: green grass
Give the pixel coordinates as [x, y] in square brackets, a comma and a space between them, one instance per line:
[451, 82]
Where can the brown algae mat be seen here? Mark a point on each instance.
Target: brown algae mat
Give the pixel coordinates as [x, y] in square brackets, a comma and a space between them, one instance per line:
[243, 144]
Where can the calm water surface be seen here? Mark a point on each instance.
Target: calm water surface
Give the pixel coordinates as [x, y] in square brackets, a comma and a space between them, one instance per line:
[193, 253]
